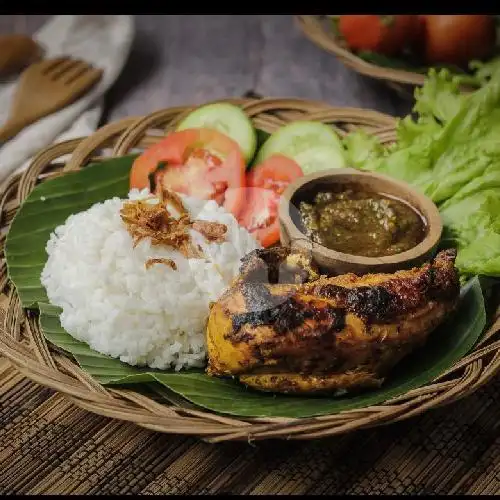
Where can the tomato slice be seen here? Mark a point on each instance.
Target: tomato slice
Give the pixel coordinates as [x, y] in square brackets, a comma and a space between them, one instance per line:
[202, 163]
[265, 184]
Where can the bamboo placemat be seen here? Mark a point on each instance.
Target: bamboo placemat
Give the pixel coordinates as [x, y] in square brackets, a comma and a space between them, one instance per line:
[49, 446]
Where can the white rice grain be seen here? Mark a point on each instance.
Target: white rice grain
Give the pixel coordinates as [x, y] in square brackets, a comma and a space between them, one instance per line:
[156, 316]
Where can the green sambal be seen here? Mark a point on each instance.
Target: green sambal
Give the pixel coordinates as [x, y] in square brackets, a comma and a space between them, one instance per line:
[362, 223]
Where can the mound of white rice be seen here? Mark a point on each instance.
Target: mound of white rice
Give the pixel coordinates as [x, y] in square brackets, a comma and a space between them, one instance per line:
[156, 316]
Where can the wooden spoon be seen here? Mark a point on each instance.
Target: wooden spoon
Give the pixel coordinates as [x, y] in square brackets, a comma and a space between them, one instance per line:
[45, 87]
[17, 52]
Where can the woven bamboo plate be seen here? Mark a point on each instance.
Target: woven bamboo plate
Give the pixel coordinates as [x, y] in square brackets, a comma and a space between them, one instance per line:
[316, 29]
[22, 342]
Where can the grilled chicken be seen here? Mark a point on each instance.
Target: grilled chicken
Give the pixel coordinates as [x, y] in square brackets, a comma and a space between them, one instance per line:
[282, 328]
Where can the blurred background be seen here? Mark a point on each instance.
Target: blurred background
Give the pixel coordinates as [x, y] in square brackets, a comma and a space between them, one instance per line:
[129, 66]
[182, 59]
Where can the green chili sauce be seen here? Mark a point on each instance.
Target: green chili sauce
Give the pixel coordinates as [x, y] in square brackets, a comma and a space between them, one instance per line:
[362, 223]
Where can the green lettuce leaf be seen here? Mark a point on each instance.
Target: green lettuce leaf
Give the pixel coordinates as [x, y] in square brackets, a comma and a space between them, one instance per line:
[450, 151]
[478, 235]
[439, 97]
[484, 71]
[363, 149]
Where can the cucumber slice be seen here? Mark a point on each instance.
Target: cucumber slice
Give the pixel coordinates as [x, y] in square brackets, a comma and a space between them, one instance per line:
[299, 139]
[228, 119]
[320, 158]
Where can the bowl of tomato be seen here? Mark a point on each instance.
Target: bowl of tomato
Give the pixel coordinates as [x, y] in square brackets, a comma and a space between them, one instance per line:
[400, 49]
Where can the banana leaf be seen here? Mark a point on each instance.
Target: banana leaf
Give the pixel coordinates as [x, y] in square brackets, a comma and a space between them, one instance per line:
[53, 201]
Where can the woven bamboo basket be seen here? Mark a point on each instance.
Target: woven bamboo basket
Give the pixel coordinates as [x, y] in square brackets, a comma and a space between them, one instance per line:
[317, 29]
[22, 342]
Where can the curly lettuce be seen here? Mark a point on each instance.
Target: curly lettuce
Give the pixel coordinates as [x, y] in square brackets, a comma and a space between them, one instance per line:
[449, 149]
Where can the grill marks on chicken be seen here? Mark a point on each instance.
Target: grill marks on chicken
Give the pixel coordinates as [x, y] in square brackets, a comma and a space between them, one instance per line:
[328, 333]
[399, 294]
[387, 295]
[285, 312]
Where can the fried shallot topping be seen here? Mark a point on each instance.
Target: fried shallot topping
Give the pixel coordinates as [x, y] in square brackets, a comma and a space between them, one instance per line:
[167, 262]
[145, 219]
[174, 199]
[212, 231]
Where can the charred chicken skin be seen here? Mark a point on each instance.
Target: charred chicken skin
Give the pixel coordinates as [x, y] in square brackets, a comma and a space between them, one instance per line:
[282, 328]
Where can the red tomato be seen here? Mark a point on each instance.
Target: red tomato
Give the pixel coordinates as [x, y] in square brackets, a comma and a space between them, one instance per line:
[458, 39]
[202, 163]
[384, 34]
[265, 184]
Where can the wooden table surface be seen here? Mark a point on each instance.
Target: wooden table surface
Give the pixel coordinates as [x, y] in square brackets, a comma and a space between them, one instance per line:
[49, 446]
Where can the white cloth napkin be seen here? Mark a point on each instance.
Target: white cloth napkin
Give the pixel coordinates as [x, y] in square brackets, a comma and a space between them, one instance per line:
[102, 40]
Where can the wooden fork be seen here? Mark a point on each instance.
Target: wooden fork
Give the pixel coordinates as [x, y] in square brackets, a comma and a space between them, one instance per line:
[45, 87]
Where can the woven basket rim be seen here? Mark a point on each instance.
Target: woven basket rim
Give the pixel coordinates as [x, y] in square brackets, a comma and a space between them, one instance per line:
[312, 27]
[23, 344]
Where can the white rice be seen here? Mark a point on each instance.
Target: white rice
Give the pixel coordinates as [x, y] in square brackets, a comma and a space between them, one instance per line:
[156, 316]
